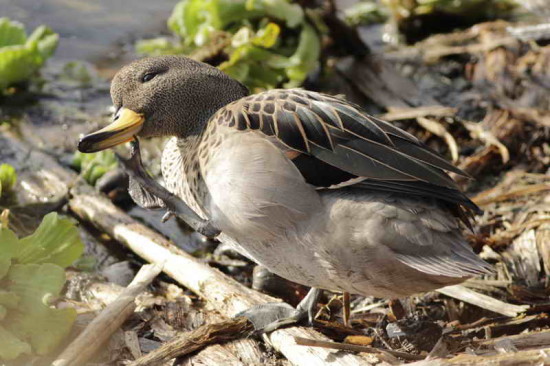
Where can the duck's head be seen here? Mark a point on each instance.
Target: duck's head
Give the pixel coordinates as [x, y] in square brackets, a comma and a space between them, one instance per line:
[163, 96]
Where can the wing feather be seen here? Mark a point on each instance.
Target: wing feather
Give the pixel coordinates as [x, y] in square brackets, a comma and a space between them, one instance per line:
[349, 143]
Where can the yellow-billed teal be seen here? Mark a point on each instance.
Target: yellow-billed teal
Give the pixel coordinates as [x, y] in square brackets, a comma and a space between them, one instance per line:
[306, 184]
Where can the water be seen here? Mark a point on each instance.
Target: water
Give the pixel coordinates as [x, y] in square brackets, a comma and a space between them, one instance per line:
[98, 31]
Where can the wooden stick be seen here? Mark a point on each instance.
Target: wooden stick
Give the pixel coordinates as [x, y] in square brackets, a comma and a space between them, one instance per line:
[397, 114]
[483, 301]
[430, 53]
[197, 339]
[534, 357]
[528, 340]
[355, 348]
[85, 346]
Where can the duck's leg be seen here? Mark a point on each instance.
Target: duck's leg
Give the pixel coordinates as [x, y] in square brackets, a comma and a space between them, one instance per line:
[271, 316]
[155, 191]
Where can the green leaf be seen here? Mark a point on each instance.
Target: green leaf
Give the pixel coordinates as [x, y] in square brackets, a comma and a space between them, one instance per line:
[97, 172]
[20, 58]
[267, 36]
[5, 264]
[158, 46]
[9, 248]
[77, 73]
[365, 12]
[28, 322]
[237, 71]
[11, 33]
[261, 77]
[55, 241]
[261, 53]
[43, 326]
[11, 347]
[9, 299]
[305, 58]
[17, 63]
[187, 18]
[8, 177]
[46, 39]
[93, 166]
[86, 263]
[292, 14]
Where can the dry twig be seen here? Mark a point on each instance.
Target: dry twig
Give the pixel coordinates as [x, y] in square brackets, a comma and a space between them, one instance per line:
[397, 114]
[483, 301]
[84, 347]
[197, 339]
[355, 348]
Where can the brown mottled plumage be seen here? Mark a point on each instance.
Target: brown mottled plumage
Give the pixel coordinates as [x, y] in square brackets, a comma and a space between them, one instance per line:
[306, 184]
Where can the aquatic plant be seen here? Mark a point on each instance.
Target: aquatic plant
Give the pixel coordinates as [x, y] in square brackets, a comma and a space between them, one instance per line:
[365, 12]
[8, 178]
[262, 43]
[21, 56]
[31, 278]
[94, 166]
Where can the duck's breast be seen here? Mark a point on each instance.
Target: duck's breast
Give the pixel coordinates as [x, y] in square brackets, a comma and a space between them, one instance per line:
[254, 191]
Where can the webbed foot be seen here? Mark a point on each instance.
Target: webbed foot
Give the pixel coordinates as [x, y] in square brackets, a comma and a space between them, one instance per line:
[271, 316]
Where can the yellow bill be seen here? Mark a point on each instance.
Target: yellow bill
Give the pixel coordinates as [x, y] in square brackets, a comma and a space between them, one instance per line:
[125, 126]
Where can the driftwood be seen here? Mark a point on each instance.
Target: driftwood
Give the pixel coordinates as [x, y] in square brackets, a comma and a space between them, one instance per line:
[218, 355]
[355, 348]
[483, 301]
[245, 351]
[242, 352]
[529, 340]
[522, 349]
[192, 341]
[525, 358]
[85, 346]
[456, 43]
[397, 114]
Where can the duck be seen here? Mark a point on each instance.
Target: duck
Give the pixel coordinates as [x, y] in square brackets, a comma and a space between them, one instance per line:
[306, 184]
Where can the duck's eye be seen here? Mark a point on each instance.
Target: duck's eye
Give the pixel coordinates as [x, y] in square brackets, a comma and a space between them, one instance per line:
[148, 77]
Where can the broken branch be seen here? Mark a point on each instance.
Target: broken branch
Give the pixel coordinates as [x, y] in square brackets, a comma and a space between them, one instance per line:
[197, 339]
[84, 347]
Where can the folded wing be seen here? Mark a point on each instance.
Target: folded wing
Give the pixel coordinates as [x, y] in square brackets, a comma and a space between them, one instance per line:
[334, 143]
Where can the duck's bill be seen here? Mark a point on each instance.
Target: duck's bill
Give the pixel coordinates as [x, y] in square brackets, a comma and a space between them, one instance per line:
[126, 125]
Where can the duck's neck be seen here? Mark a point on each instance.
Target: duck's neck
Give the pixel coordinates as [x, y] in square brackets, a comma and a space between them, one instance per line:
[181, 173]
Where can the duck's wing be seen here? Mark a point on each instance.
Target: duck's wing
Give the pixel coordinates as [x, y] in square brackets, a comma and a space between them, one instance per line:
[334, 143]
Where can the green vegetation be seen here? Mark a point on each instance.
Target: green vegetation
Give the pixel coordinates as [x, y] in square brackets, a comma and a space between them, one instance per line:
[93, 166]
[263, 43]
[31, 277]
[365, 12]
[21, 56]
[8, 178]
